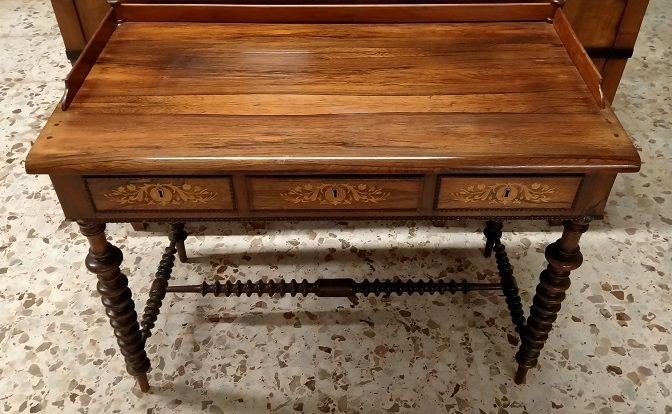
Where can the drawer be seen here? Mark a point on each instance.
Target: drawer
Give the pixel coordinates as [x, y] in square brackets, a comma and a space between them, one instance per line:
[509, 192]
[314, 193]
[160, 193]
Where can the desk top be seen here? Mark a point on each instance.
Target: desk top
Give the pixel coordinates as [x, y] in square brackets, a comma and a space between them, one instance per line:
[203, 97]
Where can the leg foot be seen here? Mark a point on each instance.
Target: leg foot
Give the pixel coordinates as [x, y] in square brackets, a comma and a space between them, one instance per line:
[521, 375]
[181, 252]
[563, 256]
[143, 383]
[104, 260]
[177, 232]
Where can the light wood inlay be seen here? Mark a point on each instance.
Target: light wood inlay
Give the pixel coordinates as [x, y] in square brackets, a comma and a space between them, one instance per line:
[335, 193]
[160, 193]
[507, 192]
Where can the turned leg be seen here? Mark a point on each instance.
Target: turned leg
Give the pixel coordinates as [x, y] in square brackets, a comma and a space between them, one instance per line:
[509, 287]
[493, 242]
[157, 292]
[178, 234]
[563, 256]
[104, 260]
[492, 232]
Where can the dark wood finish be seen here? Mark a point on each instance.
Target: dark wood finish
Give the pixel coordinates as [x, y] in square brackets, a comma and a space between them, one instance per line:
[177, 232]
[355, 112]
[493, 236]
[563, 256]
[333, 288]
[508, 281]
[157, 292]
[328, 193]
[492, 233]
[104, 260]
[507, 192]
[160, 193]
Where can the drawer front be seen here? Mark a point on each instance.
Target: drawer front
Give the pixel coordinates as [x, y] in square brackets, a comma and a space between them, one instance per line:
[457, 192]
[160, 193]
[284, 193]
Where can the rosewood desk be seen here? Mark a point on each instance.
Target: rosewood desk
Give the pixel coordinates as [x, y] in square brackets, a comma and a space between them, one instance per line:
[187, 112]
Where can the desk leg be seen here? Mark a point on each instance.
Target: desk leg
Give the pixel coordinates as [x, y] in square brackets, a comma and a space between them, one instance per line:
[493, 233]
[563, 256]
[177, 232]
[104, 260]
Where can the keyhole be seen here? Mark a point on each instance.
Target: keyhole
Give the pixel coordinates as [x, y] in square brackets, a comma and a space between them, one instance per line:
[507, 192]
[161, 193]
[335, 193]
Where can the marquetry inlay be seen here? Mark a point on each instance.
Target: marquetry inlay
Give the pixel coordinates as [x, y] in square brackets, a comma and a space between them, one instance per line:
[506, 193]
[336, 194]
[160, 194]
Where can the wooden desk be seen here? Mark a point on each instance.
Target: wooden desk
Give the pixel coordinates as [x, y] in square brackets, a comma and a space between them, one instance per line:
[176, 113]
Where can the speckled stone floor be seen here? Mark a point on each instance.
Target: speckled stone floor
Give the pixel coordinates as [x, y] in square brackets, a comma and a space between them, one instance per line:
[609, 352]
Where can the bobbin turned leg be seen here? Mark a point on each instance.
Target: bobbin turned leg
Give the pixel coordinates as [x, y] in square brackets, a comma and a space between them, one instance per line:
[179, 235]
[492, 232]
[104, 260]
[563, 256]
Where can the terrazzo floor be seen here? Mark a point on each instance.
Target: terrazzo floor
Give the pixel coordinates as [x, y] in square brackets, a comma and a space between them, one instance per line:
[609, 352]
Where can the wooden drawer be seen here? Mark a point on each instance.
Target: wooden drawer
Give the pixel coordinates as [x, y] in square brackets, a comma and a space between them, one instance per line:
[160, 193]
[511, 192]
[286, 193]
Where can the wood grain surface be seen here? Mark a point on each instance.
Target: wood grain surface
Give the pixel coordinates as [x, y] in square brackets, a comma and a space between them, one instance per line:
[334, 13]
[180, 98]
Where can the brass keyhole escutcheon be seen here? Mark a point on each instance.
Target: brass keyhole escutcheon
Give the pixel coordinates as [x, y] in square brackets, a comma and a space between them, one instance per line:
[335, 194]
[506, 194]
[161, 195]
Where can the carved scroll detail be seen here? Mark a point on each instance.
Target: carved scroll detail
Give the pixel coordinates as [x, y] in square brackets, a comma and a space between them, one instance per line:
[160, 194]
[336, 194]
[506, 193]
